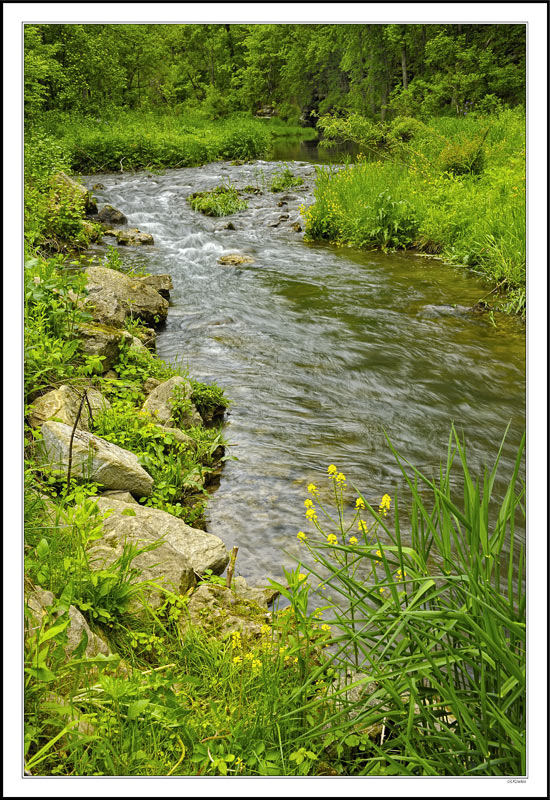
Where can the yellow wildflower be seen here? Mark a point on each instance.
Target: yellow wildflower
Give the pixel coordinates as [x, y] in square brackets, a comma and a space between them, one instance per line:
[353, 540]
[325, 628]
[332, 470]
[382, 590]
[237, 659]
[340, 478]
[256, 663]
[308, 503]
[384, 504]
[301, 536]
[362, 525]
[265, 629]
[302, 577]
[310, 514]
[312, 489]
[332, 539]
[359, 503]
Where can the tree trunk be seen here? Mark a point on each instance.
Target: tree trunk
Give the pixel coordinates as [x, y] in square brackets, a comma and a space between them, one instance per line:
[404, 67]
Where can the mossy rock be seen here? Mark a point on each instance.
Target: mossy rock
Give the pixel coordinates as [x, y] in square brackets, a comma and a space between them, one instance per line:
[234, 259]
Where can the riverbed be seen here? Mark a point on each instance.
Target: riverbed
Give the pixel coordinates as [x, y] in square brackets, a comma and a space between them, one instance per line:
[322, 350]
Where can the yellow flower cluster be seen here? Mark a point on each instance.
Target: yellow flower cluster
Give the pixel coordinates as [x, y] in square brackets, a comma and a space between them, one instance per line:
[301, 536]
[312, 489]
[362, 525]
[353, 540]
[384, 506]
[310, 514]
[308, 503]
[359, 503]
[332, 539]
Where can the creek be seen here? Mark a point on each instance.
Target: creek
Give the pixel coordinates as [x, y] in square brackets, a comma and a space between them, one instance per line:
[321, 349]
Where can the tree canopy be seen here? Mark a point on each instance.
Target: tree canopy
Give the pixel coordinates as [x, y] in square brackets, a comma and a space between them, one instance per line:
[299, 70]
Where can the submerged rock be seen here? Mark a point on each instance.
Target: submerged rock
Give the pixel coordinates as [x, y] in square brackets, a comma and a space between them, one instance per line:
[235, 259]
[93, 459]
[133, 237]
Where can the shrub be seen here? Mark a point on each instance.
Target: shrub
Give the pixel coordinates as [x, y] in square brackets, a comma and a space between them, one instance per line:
[462, 158]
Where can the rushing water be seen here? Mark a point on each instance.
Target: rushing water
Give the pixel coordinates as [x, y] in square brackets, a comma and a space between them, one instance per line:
[321, 349]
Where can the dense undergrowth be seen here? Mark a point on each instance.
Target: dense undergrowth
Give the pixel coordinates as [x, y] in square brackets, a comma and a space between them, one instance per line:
[451, 186]
[131, 140]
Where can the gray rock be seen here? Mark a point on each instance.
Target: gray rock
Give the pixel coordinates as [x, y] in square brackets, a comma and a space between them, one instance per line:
[220, 611]
[124, 497]
[93, 459]
[161, 283]
[40, 599]
[63, 404]
[150, 384]
[132, 295]
[112, 216]
[160, 403]
[163, 565]
[184, 552]
[106, 307]
[102, 340]
[133, 237]
[262, 596]
[235, 259]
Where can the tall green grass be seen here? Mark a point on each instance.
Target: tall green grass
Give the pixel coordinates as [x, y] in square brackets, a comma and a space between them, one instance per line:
[141, 140]
[434, 626]
[455, 187]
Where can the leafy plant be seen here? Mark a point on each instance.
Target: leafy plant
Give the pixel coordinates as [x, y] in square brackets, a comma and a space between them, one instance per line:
[284, 179]
[218, 202]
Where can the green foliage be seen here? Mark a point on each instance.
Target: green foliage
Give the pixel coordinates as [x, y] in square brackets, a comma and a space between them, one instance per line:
[284, 179]
[218, 202]
[457, 189]
[463, 158]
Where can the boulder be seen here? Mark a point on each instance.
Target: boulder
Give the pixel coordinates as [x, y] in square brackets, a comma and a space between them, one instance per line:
[102, 340]
[220, 611]
[131, 294]
[150, 384]
[235, 259]
[39, 600]
[296, 227]
[163, 565]
[160, 403]
[203, 551]
[111, 216]
[182, 554]
[93, 459]
[63, 404]
[161, 283]
[133, 237]
[105, 307]
[262, 596]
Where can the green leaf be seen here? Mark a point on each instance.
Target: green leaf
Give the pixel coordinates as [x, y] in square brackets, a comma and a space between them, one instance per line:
[136, 708]
[42, 548]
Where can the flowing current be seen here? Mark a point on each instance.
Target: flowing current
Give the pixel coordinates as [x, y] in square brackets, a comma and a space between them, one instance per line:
[321, 350]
